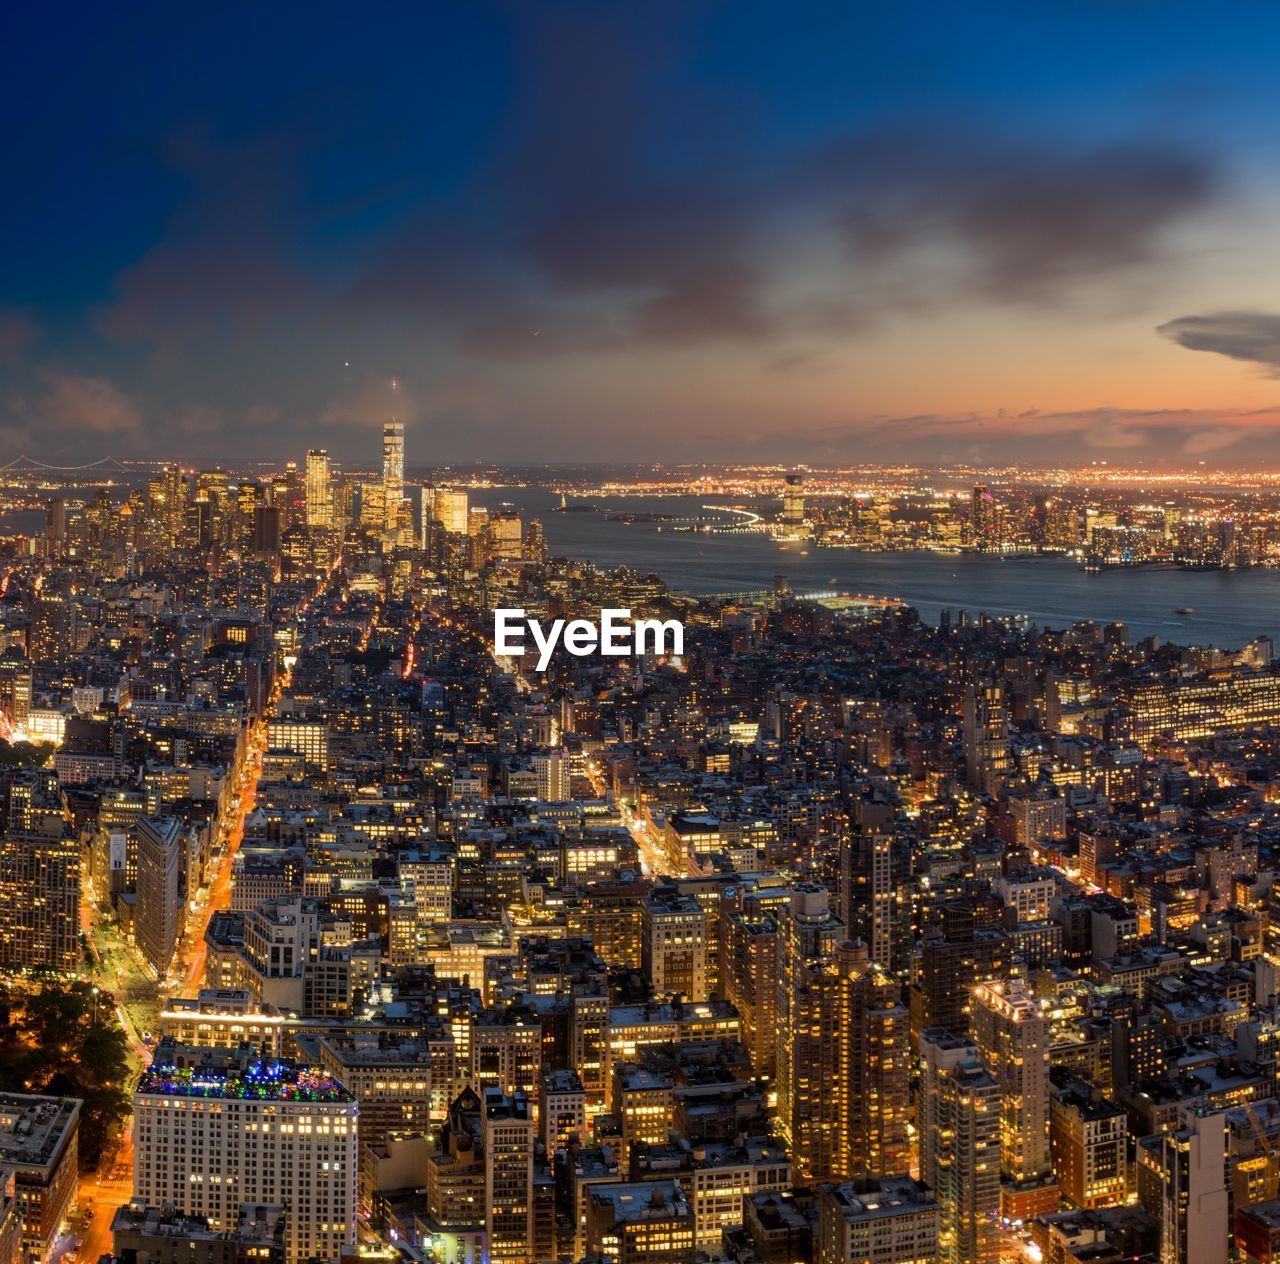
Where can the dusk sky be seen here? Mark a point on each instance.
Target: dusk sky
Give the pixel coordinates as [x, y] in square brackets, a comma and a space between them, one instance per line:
[644, 231]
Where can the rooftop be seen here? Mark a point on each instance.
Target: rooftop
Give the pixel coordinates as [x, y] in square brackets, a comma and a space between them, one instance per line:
[882, 1196]
[642, 1200]
[33, 1128]
[266, 1080]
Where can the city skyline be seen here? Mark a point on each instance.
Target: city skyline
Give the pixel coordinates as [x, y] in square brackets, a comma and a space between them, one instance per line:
[640, 634]
[684, 232]
[335, 925]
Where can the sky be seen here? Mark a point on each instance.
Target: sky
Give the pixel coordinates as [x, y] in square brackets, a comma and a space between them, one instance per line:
[778, 232]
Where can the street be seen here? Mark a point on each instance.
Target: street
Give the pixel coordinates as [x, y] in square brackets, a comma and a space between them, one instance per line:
[101, 1192]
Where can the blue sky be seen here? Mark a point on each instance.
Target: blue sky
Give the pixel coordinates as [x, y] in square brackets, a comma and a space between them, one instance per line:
[669, 231]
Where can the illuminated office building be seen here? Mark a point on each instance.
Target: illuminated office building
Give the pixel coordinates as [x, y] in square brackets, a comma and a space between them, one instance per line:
[506, 534]
[793, 500]
[450, 509]
[218, 1128]
[160, 905]
[392, 472]
[1190, 710]
[319, 491]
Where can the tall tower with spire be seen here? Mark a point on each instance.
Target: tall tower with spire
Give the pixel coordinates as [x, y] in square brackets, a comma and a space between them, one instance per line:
[392, 471]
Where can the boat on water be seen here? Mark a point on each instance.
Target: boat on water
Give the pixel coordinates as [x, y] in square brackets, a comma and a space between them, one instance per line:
[1185, 610]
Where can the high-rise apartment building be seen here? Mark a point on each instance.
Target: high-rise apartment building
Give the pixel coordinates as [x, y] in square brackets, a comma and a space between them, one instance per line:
[749, 968]
[15, 692]
[39, 902]
[40, 1148]
[1195, 1212]
[875, 872]
[1011, 1029]
[983, 518]
[959, 1130]
[950, 967]
[218, 1128]
[843, 1049]
[506, 1131]
[50, 632]
[986, 736]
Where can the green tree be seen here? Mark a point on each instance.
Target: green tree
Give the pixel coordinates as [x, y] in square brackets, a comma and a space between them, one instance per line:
[64, 1041]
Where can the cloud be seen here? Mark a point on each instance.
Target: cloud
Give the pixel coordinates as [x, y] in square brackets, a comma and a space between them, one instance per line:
[618, 205]
[223, 262]
[87, 404]
[1155, 437]
[198, 419]
[1015, 221]
[1214, 440]
[18, 331]
[1250, 336]
[368, 403]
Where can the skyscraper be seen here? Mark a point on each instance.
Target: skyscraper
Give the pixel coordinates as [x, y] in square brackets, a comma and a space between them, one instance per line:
[160, 904]
[982, 518]
[506, 534]
[1012, 1033]
[793, 501]
[507, 1139]
[15, 692]
[39, 902]
[450, 508]
[842, 1057]
[319, 490]
[1195, 1215]
[959, 1123]
[986, 736]
[392, 471]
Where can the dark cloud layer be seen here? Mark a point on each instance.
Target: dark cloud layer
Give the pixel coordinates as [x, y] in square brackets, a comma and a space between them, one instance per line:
[1250, 336]
[487, 197]
[1027, 221]
[1130, 437]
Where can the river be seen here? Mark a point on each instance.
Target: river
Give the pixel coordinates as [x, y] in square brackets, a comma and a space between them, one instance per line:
[1231, 607]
